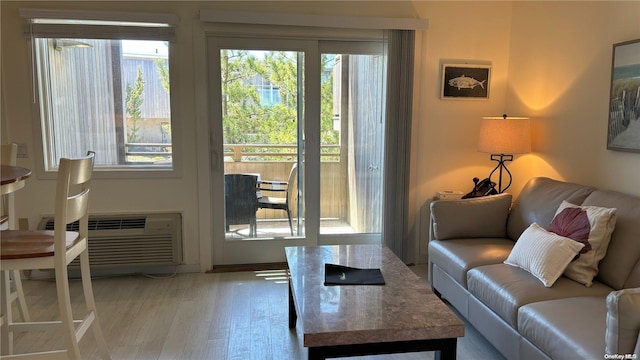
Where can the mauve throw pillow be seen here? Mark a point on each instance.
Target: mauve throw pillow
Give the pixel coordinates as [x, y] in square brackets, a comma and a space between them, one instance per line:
[591, 226]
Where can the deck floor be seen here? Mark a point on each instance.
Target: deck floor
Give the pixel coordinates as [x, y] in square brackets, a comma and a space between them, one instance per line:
[280, 228]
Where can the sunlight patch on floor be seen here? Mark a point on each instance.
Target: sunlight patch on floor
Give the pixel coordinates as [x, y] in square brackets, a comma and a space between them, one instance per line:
[276, 276]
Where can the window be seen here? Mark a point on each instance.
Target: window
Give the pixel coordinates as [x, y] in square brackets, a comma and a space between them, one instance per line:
[103, 85]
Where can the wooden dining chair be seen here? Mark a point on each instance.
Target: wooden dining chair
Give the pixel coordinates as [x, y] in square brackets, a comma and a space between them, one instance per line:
[280, 202]
[9, 156]
[22, 249]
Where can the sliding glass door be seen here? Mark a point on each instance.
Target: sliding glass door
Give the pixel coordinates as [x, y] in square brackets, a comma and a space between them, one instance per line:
[297, 135]
[352, 152]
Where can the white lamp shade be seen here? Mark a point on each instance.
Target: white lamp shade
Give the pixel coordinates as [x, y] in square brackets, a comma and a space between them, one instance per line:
[511, 135]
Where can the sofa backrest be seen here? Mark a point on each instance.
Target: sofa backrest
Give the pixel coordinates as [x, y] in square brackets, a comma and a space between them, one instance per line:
[539, 201]
[620, 267]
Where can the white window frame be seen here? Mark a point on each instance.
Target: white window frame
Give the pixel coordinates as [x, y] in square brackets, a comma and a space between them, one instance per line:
[44, 23]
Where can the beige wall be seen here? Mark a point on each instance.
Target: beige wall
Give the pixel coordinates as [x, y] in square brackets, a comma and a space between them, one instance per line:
[445, 133]
[560, 74]
[551, 62]
[553, 67]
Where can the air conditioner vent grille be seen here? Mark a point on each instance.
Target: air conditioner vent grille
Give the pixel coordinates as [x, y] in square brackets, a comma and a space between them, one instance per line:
[105, 224]
[117, 241]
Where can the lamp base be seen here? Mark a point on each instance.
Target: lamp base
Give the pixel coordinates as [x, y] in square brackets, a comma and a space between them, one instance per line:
[501, 159]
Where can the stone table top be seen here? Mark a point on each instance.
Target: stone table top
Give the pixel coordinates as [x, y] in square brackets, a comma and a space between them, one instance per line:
[402, 309]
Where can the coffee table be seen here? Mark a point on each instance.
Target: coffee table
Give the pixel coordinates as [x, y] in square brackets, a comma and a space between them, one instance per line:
[352, 320]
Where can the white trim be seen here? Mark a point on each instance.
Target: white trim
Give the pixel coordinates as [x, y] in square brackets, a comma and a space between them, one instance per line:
[160, 18]
[327, 21]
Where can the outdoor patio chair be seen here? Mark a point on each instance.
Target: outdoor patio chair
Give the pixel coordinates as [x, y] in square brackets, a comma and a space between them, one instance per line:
[280, 203]
[241, 201]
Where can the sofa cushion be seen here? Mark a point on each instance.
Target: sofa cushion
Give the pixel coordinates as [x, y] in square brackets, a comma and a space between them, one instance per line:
[623, 322]
[505, 288]
[574, 326]
[482, 217]
[620, 268]
[591, 226]
[543, 254]
[456, 257]
[539, 200]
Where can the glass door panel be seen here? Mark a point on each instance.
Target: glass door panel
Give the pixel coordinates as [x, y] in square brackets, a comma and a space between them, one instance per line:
[257, 89]
[261, 118]
[352, 144]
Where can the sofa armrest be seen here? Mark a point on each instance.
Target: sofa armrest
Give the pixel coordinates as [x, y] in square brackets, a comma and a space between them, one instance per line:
[481, 217]
[623, 322]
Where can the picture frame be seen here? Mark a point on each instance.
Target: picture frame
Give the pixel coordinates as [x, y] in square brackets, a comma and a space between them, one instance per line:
[465, 81]
[623, 132]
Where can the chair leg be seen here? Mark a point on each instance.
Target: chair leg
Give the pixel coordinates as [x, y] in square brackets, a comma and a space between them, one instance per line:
[66, 314]
[290, 222]
[253, 228]
[6, 337]
[22, 301]
[87, 287]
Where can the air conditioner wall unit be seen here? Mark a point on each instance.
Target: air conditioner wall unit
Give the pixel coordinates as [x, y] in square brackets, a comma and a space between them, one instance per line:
[130, 240]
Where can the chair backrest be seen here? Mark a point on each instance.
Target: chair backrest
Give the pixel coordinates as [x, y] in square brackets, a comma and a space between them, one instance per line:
[9, 154]
[292, 187]
[241, 202]
[73, 185]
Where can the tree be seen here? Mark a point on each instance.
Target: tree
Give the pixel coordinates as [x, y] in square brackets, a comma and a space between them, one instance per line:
[134, 101]
[241, 102]
[247, 77]
[163, 72]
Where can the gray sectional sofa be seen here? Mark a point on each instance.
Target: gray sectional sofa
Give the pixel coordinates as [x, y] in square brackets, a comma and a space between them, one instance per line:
[512, 309]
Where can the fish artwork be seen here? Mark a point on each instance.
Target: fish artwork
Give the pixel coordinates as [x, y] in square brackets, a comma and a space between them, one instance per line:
[466, 82]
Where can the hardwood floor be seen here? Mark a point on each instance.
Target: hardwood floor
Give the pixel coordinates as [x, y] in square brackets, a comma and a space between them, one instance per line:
[235, 316]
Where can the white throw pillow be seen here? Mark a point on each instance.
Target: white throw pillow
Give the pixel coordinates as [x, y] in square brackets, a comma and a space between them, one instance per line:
[543, 254]
[590, 225]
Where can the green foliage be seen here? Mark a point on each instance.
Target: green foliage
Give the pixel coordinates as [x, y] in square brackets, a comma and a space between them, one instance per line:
[163, 72]
[328, 135]
[246, 119]
[162, 65]
[133, 99]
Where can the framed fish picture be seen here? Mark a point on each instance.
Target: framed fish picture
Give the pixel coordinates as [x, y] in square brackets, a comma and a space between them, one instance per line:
[465, 81]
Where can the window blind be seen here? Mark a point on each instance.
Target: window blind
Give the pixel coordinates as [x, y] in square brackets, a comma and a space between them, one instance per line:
[45, 23]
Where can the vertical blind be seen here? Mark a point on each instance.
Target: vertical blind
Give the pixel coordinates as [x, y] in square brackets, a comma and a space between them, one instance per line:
[401, 45]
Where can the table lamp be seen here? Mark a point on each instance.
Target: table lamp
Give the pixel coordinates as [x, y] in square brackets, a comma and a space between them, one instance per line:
[503, 136]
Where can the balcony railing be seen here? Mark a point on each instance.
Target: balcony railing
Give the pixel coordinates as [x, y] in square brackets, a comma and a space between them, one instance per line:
[272, 162]
[149, 150]
[236, 152]
[268, 152]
